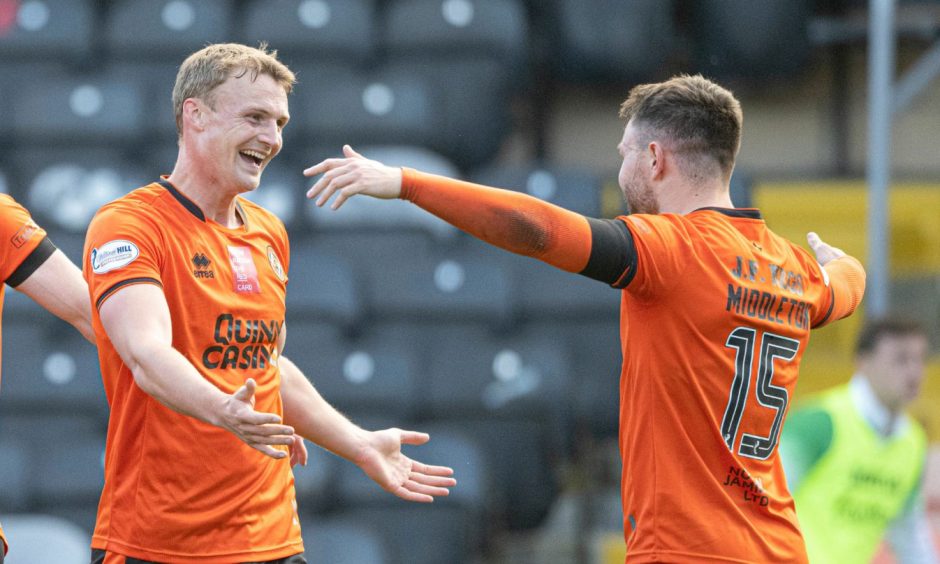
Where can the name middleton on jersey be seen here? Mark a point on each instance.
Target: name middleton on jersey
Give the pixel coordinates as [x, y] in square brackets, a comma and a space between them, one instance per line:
[764, 305]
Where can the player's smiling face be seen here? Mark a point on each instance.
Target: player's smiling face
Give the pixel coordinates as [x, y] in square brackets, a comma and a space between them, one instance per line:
[244, 122]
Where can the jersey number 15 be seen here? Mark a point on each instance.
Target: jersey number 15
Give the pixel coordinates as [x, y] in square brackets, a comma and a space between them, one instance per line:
[743, 340]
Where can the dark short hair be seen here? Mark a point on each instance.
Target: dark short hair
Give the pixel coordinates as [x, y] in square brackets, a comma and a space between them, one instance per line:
[699, 117]
[888, 326]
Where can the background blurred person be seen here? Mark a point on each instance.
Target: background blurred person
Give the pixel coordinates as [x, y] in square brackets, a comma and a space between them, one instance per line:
[855, 460]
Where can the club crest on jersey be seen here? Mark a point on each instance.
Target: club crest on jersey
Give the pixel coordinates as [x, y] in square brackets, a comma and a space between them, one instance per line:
[113, 255]
[275, 264]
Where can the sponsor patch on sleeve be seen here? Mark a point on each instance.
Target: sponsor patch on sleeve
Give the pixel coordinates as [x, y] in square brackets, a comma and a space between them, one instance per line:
[113, 255]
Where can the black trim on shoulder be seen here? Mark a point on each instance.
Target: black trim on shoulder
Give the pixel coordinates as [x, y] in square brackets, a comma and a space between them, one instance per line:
[118, 285]
[832, 306]
[40, 254]
[186, 202]
[613, 255]
[747, 213]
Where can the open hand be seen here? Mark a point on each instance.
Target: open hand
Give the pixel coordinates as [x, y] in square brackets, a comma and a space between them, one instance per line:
[824, 251]
[353, 175]
[383, 461]
[261, 431]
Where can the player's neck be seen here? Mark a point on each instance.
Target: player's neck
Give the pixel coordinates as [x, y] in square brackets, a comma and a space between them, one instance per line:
[685, 198]
[203, 190]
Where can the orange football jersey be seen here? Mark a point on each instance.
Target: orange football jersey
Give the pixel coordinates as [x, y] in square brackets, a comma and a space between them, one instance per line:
[716, 312]
[715, 316]
[23, 248]
[177, 489]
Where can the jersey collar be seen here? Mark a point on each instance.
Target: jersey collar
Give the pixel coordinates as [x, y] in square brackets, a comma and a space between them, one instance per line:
[747, 213]
[191, 206]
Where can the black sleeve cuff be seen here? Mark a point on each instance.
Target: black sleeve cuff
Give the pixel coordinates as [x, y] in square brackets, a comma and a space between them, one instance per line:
[40, 254]
[613, 253]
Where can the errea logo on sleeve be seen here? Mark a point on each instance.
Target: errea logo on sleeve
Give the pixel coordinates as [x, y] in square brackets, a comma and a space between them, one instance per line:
[113, 255]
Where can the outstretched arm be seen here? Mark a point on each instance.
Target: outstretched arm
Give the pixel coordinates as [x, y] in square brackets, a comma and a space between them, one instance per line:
[516, 222]
[136, 319]
[58, 286]
[377, 453]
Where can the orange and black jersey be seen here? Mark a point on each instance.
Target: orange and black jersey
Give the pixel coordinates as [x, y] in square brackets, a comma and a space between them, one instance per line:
[716, 312]
[24, 247]
[165, 498]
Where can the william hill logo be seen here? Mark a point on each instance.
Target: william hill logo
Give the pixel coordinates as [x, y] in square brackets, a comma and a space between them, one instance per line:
[201, 266]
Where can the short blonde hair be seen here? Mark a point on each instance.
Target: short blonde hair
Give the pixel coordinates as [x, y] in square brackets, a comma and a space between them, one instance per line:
[699, 117]
[212, 65]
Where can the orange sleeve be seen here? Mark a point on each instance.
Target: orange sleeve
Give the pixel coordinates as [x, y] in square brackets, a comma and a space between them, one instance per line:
[122, 247]
[511, 220]
[23, 244]
[847, 286]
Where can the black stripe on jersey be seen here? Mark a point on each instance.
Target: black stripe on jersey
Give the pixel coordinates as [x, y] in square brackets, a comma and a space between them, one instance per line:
[40, 254]
[613, 254]
[747, 213]
[832, 305]
[187, 203]
[118, 285]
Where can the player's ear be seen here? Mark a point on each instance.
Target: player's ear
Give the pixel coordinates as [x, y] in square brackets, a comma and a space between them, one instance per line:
[193, 114]
[656, 156]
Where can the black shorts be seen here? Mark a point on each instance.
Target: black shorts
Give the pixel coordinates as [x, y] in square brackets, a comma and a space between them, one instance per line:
[97, 557]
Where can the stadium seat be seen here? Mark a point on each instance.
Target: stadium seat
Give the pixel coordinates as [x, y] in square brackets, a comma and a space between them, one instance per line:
[45, 538]
[315, 482]
[449, 29]
[71, 472]
[441, 286]
[156, 79]
[343, 541]
[165, 29]
[417, 535]
[548, 293]
[14, 475]
[512, 394]
[338, 104]
[65, 187]
[362, 376]
[47, 29]
[595, 377]
[612, 40]
[304, 30]
[748, 40]
[66, 107]
[322, 287]
[521, 375]
[64, 453]
[50, 366]
[574, 189]
[469, 103]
